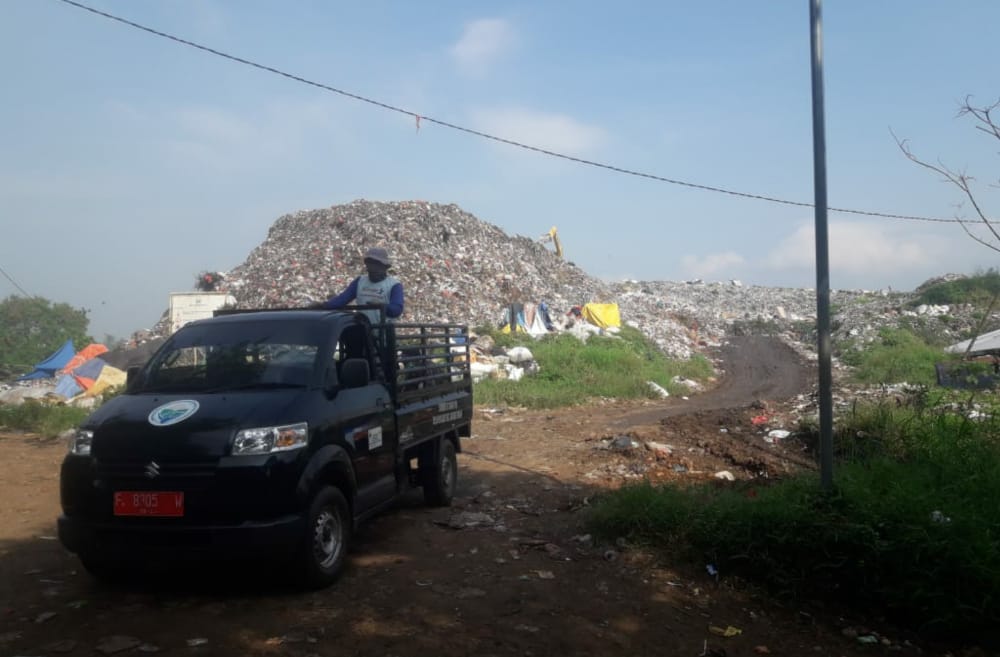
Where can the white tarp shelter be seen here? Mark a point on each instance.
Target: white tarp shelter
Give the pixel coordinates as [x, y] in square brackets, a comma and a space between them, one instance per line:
[984, 343]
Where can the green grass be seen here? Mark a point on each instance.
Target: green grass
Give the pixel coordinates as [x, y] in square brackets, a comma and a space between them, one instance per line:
[873, 543]
[977, 290]
[572, 372]
[38, 417]
[898, 355]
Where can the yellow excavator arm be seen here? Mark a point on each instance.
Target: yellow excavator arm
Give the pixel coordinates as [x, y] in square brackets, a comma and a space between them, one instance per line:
[553, 236]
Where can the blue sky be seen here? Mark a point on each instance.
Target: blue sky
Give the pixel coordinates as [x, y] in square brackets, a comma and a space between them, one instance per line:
[129, 163]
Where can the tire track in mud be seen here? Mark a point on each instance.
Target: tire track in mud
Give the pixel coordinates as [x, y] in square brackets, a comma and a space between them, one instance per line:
[754, 368]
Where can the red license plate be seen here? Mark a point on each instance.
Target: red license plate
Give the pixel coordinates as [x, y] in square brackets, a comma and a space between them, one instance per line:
[149, 503]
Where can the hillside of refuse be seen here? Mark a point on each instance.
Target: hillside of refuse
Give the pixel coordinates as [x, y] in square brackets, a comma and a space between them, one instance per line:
[456, 267]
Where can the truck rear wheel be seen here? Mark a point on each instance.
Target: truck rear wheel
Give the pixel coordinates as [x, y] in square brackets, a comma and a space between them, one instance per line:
[440, 477]
[328, 534]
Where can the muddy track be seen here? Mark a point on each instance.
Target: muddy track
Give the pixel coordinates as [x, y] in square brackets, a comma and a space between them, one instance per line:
[755, 368]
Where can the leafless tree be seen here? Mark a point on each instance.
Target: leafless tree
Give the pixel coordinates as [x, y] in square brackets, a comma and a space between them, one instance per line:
[986, 122]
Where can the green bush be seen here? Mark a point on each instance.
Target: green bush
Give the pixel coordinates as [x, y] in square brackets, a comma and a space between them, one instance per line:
[912, 529]
[933, 331]
[42, 418]
[898, 355]
[573, 371]
[977, 290]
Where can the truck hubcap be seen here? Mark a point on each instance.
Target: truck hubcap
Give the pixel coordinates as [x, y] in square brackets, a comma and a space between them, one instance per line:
[327, 542]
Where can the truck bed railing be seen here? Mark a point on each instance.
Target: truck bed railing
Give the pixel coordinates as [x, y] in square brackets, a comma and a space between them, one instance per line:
[430, 359]
[423, 359]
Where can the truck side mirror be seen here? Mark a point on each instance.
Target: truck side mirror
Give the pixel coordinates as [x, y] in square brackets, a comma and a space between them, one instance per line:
[131, 374]
[354, 373]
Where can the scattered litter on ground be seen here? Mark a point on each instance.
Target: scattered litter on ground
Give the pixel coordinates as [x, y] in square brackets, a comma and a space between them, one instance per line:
[775, 435]
[467, 519]
[728, 631]
[658, 389]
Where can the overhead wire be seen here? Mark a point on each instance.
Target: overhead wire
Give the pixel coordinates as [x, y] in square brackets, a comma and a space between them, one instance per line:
[454, 126]
[15, 283]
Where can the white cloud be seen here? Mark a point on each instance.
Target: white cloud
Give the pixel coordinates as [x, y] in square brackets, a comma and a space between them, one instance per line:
[52, 184]
[855, 249]
[556, 132]
[210, 123]
[483, 41]
[712, 264]
[224, 140]
[216, 139]
[213, 138]
[205, 17]
[210, 19]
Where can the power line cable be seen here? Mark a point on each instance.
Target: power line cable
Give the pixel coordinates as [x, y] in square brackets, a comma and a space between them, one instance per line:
[16, 284]
[484, 135]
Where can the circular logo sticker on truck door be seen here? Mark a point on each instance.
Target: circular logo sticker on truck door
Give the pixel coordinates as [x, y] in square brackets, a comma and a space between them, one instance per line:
[172, 413]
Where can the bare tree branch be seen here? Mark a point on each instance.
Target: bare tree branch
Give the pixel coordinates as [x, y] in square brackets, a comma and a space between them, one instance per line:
[982, 115]
[960, 178]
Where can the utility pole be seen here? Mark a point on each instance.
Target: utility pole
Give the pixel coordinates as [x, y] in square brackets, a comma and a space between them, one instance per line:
[822, 253]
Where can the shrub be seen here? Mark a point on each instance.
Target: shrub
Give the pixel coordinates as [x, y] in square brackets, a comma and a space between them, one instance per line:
[912, 529]
[42, 418]
[898, 355]
[977, 290]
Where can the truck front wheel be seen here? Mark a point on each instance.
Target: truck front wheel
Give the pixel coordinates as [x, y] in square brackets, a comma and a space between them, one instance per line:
[440, 477]
[328, 534]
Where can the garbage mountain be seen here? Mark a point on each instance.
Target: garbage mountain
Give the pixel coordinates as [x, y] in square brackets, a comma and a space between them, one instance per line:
[454, 267]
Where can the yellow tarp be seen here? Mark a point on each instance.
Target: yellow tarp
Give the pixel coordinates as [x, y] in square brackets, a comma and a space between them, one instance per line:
[602, 315]
[109, 378]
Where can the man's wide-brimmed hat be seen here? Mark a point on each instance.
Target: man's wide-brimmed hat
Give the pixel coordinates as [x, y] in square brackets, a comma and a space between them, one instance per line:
[378, 254]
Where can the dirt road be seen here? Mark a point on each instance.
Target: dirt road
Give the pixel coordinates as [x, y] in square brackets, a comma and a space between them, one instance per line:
[507, 571]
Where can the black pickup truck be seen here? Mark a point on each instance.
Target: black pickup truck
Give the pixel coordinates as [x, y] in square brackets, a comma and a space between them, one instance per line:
[267, 432]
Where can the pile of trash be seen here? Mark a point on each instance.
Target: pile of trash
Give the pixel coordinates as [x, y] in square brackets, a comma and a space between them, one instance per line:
[491, 362]
[454, 267]
[458, 268]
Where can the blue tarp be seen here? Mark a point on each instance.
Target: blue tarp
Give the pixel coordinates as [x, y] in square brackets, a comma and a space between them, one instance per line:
[48, 367]
[91, 369]
[68, 387]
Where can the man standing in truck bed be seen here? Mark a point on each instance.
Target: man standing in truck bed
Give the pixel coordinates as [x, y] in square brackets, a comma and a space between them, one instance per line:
[373, 287]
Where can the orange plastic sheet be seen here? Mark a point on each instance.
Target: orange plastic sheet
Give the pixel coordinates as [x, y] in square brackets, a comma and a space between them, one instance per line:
[90, 351]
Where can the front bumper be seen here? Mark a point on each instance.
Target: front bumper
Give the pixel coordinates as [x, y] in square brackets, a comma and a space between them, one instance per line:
[139, 539]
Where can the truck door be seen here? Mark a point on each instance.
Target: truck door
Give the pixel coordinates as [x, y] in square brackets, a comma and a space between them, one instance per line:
[369, 421]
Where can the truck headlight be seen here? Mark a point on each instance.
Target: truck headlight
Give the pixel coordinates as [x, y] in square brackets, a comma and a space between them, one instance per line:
[265, 440]
[81, 442]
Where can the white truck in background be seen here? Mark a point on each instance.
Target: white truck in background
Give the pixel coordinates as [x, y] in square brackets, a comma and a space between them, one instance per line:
[188, 306]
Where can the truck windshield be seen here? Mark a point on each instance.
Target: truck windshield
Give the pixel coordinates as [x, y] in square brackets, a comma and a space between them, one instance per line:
[220, 357]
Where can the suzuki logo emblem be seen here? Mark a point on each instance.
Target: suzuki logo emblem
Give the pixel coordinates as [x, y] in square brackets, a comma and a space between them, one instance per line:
[152, 470]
